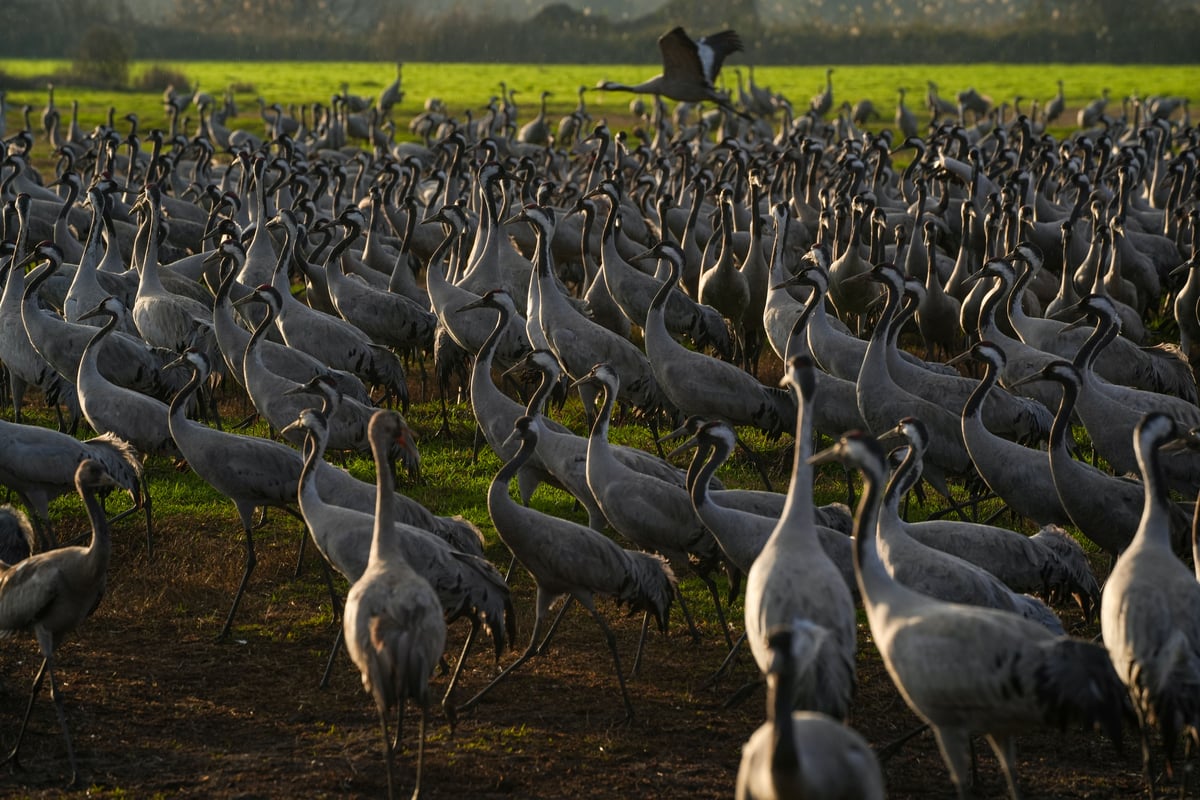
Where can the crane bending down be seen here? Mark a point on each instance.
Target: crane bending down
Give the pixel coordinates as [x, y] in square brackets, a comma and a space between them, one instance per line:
[566, 558]
[689, 68]
[393, 621]
[52, 593]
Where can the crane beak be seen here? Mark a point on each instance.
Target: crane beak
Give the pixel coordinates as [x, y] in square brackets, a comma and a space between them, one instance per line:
[471, 305]
[678, 433]
[960, 358]
[830, 455]
[296, 425]
[683, 448]
[94, 312]
[1037, 376]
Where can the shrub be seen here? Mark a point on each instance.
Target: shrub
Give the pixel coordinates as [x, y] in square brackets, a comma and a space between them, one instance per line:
[102, 58]
[157, 77]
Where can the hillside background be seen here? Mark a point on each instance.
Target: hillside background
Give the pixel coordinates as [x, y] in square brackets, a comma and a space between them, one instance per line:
[614, 31]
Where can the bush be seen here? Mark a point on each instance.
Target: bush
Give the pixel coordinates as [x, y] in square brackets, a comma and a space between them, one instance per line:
[102, 58]
[157, 77]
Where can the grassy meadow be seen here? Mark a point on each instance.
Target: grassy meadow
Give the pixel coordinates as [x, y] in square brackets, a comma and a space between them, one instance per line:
[454, 482]
[469, 86]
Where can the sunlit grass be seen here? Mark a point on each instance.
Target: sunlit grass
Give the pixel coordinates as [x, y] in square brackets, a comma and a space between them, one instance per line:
[470, 86]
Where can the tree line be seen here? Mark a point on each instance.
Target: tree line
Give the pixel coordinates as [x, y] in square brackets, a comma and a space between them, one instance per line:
[1111, 31]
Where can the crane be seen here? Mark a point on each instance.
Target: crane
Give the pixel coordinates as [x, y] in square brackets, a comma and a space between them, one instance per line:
[689, 68]
[393, 623]
[467, 585]
[572, 560]
[17, 536]
[50, 594]
[967, 669]
[803, 753]
[793, 580]
[1148, 614]
[648, 511]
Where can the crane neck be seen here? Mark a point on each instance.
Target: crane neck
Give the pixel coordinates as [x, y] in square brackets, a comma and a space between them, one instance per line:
[796, 518]
[604, 416]
[384, 545]
[1155, 525]
[487, 350]
[100, 546]
[873, 577]
[973, 409]
[93, 344]
[499, 486]
[705, 463]
[784, 760]
[1060, 428]
[314, 452]
[659, 301]
[180, 401]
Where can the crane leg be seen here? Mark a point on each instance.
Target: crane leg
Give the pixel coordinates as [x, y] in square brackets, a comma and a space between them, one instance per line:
[756, 459]
[462, 659]
[56, 696]
[543, 605]
[1006, 752]
[891, 748]
[955, 746]
[251, 560]
[420, 749]
[1147, 753]
[333, 651]
[562, 612]
[11, 758]
[716, 597]
[726, 664]
[687, 615]
[637, 657]
[387, 752]
[612, 648]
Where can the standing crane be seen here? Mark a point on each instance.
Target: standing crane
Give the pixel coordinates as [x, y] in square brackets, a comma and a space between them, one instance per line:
[393, 621]
[794, 583]
[803, 753]
[1150, 614]
[50, 594]
[965, 669]
[467, 585]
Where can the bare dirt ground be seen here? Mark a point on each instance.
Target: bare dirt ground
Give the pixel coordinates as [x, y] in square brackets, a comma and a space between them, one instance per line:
[158, 708]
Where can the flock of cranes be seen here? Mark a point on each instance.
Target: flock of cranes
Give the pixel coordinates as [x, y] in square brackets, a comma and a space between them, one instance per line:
[189, 275]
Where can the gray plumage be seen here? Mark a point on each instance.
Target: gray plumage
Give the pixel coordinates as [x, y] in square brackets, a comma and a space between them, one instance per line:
[568, 559]
[698, 384]
[17, 537]
[937, 573]
[793, 580]
[393, 623]
[51, 593]
[467, 585]
[965, 669]
[803, 754]
[1148, 615]
[689, 67]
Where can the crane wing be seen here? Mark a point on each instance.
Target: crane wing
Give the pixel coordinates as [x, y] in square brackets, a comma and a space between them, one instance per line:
[26, 590]
[681, 57]
[714, 48]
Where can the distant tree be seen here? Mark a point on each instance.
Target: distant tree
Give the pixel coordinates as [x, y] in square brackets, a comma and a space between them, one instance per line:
[102, 58]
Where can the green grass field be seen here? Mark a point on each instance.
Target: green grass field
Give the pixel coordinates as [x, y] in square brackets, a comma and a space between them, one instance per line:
[469, 86]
